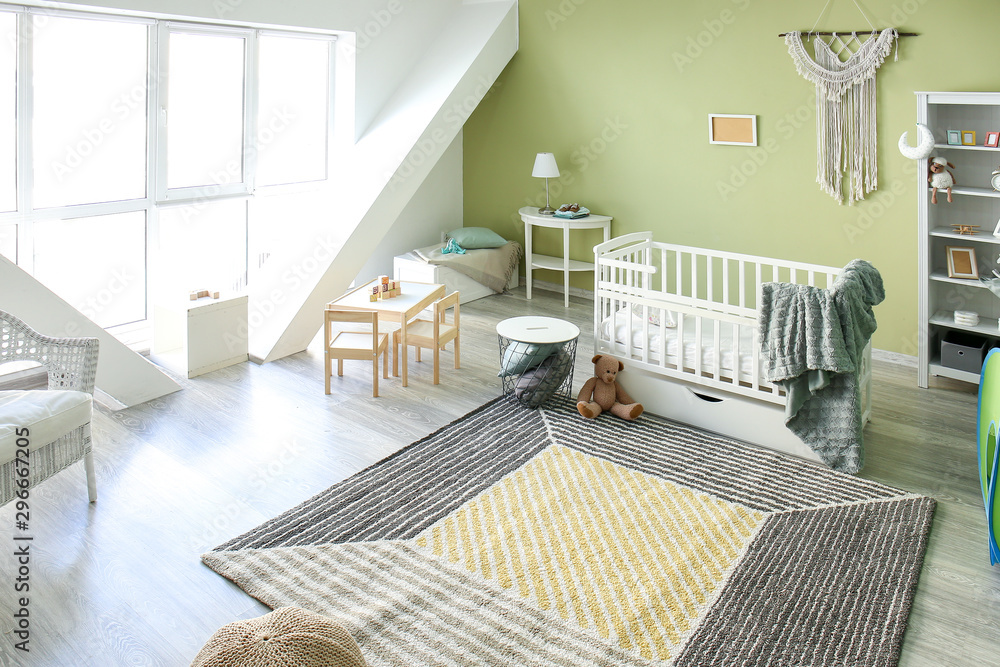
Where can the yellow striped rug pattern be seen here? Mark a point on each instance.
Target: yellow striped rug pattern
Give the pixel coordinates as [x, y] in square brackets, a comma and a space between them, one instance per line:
[626, 555]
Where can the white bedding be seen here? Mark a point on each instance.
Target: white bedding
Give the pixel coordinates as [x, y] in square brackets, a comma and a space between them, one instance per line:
[621, 325]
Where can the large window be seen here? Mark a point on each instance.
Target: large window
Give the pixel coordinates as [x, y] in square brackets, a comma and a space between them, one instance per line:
[292, 110]
[89, 111]
[133, 150]
[96, 263]
[203, 247]
[8, 115]
[204, 110]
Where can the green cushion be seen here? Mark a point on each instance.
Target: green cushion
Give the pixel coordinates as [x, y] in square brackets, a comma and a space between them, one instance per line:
[471, 238]
[519, 357]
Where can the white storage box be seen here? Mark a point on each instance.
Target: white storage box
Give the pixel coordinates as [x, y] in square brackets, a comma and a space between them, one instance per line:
[412, 268]
[197, 337]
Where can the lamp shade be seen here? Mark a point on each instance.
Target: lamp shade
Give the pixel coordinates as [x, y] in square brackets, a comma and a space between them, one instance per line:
[545, 166]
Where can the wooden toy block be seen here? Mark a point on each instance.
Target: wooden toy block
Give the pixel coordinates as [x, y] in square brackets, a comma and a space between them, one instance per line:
[373, 296]
[197, 294]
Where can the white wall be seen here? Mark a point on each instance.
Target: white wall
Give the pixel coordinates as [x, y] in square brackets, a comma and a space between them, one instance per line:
[415, 62]
[391, 34]
[435, 208]
[374, 182]
[124, 375]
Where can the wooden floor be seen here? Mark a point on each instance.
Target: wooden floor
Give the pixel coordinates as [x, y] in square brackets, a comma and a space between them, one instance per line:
[120, 582]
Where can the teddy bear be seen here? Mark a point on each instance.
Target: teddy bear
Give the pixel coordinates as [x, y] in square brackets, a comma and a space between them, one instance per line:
[602, 393]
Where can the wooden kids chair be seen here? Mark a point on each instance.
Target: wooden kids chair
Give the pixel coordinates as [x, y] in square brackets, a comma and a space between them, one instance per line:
[363, 345]
[434, 334]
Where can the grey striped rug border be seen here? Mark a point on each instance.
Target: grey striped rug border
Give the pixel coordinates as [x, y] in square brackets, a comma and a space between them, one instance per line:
[854, 586]
[739, 472]
[404, 493]
[793, 598]
[452, 618]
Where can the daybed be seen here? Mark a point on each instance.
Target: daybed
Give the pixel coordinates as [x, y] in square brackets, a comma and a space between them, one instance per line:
[477, 273]
[651, 295]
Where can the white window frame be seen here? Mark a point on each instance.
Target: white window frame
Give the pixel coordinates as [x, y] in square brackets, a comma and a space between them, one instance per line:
[157, 194]
[26, 214]
[331, 59]
[245, 185]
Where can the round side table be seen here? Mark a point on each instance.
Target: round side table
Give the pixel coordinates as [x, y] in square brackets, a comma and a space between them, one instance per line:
[537, 355]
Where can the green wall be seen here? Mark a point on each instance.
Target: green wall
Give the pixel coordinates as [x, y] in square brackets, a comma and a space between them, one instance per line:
[621, 90]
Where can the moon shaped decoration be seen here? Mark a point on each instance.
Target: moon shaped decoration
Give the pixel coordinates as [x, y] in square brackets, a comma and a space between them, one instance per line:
[924, 147]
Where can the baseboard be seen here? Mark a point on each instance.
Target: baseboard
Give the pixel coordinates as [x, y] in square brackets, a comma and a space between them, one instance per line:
[558, 287]
[894, 358]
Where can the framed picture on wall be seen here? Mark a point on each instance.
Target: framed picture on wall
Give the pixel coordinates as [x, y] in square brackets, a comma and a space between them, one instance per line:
[954, 138]
[962, 262]
[732, 129]
[968, 137]
[992, 139]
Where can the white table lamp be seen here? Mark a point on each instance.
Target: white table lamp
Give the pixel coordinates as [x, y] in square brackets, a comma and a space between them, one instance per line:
[545, 167]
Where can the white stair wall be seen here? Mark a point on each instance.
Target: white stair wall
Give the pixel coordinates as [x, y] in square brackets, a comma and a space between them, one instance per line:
[124, 375]
[378, 176]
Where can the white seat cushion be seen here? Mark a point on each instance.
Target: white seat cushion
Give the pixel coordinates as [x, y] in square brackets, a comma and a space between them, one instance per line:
[47, 414]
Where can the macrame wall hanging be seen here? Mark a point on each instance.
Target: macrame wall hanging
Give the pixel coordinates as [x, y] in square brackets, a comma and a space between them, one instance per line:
[846, 135]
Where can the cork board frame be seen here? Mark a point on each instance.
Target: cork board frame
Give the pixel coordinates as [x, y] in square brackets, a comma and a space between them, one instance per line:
[732, 129]
[961, 262]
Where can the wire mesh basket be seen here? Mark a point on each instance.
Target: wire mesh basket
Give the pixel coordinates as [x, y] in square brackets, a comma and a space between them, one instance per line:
[532, 373]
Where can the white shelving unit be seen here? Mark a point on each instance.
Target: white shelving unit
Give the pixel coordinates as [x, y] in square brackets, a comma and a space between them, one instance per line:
[975, 202]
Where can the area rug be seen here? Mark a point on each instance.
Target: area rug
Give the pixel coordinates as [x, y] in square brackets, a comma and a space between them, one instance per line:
[536, 537]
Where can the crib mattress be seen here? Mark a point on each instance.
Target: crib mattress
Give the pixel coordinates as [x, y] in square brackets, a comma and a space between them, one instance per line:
[622, 321]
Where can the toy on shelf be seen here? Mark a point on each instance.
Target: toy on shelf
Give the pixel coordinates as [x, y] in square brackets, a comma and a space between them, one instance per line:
[939, 177]
[197, 294]
[969, 230]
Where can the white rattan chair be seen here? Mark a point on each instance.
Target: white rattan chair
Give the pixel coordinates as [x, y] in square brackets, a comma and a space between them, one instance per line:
[71, 364]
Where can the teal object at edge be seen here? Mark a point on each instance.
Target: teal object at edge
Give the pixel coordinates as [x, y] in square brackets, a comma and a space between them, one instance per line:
[986, 441]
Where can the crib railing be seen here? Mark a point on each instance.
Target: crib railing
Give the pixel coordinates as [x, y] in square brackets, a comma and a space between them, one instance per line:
[710, 291]
[729, 280]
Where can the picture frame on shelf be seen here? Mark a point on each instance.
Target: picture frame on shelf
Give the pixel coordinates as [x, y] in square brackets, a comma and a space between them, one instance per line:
[992, 140]
[996, 230]
[954, 138]
[962, 262]
[968, 137]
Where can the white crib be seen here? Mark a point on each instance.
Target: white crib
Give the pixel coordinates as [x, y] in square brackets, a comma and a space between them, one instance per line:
[706, 369]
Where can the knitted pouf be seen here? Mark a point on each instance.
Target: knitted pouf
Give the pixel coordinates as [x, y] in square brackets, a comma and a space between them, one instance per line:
[287, 636]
